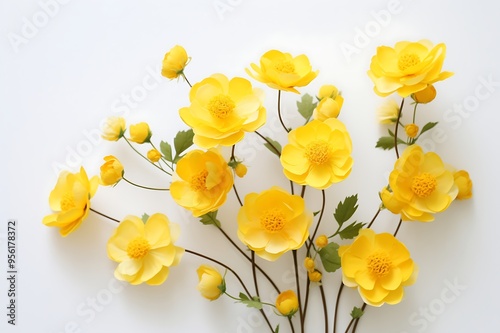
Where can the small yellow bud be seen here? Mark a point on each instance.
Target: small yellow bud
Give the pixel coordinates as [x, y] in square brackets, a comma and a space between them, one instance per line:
[140, 133]
[240, 170]
[309, 264]
[154, 155]
[411, 130]
[287, 303]
[315, 276]
[209, 282]
[425, 96]
[111, 171]
[113, 128]
[321, 241]
[464, 184]
[174, 62]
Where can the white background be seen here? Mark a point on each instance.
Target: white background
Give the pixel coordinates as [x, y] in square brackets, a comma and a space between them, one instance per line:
[67, 67]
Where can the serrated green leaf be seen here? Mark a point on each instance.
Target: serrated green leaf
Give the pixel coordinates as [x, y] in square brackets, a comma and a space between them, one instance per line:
[182, 141]
[351, 231]
[145, 217]
[345, 209]
[275, 148]
[427, 127]
[166, 150]
[254, 302]
[210, 219]
[356, 313]
[387, 142]
[306, 106]
[330, 257]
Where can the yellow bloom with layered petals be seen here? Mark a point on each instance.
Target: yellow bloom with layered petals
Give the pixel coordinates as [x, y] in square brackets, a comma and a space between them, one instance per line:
[202, 181]
[209, 281]
[111, 171]
[287, 303]
[420, 185]
[113, 129]
[379, 266]
[407, 68]
[282, 71]
[464, 184]
[222, 110]
[318, 154]
[330, 103]
[140, 133]
[388, 112]
[273, 222]
[174, 62]
[70, 200]
[145, 251]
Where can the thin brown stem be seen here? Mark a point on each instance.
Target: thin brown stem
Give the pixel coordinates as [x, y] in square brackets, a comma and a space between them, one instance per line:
[357, 320]
[104, 215]
[325, 309]
[396, 129]
[399, 226]
[374, 218]
[297, 282]
[311, 239]
[279, 112]
[336, 311]
[269, 143]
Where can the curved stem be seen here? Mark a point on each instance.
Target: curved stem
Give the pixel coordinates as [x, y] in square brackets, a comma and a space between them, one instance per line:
[325, 310]
[162, 158]
[145, 187]
[254, 275]
[374, 218]
[279, 112]
[297, 282]
[311, 239]
[357, 320]
[399, 226]
[303, 191]
[337, 302]
[156, 166]
[269, 143]
[104, 215]
[415, 112]
[185, 78]
[396, 129]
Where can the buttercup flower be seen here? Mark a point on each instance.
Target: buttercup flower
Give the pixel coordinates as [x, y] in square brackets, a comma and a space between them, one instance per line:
[425, 96]
[379, 266]
[411, 130]
[145, 251]
[407, 68]
[273, 222]
[174, 62]
[154, 155]
[202, 181]
[140, 133]
[70, 200]
[111, 171]
[282, 71]
[388, 112]
[321, 241]
[318, 154]
[222, 110]
[113, 129]
[287, 303]
[464, 184]
[420, 186]
[330, 103]
[209, 282]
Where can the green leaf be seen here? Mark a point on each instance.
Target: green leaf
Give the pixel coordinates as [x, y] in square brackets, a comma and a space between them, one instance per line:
[254, 302]
[277, 329]
[316, 213]
[427, 127]
[346, 209]
[166, 150]
[356, 313]
[182, 141]
[210, 218]
[306, 106]
[387, 142]
[145, 217]
[330, 257]
[276, 146]
[351, 231]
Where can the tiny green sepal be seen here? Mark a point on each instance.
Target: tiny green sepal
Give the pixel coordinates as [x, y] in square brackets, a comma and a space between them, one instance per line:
[356, 313]
[277, 329]
[222, 286]
[210, 218]
[145, 217]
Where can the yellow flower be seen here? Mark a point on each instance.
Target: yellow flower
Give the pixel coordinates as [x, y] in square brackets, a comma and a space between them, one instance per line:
[407, 68]
[140, 133]
[113, 128]
[309, 264]
[273, 222]
[411, 130]
[111, 171]
[425, 96]
[330, 103]
[321, 241]
[70, 200]
[222, 110]
[240, 170]
[464, 184]
[209, 282]
[144, 251]
[287, 303]
[282, 71]
[202, 181]
[315, 276]
[174, 62]
[388, 112]
[318, 154]
[420, 186]
[379, 266]
[154, 155]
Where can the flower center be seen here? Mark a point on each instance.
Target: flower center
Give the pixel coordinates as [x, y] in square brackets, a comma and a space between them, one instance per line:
[138, 248]
[273, 220]
[423, 185]
[408, 60]
[67, 202]
[199, 181]
[285, 66]
[379, 264]
[221, 106]
[318, 152]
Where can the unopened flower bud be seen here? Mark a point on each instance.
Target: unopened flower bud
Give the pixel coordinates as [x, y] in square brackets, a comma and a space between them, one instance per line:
[411, 130]
[425, 96]
[154, 155]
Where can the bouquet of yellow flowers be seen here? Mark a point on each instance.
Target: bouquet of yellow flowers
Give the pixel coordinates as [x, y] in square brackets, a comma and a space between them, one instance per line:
[278, 221]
